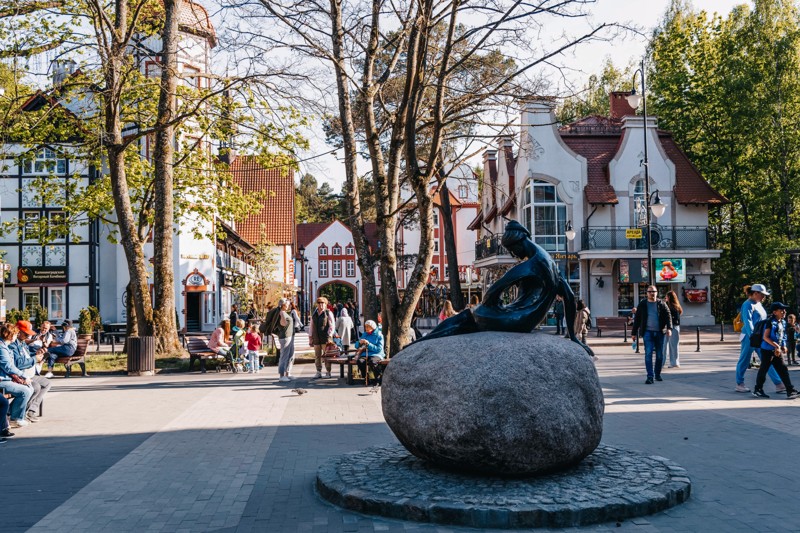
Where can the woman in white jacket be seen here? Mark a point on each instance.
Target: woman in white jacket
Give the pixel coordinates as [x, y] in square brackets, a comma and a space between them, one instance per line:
[344, 324]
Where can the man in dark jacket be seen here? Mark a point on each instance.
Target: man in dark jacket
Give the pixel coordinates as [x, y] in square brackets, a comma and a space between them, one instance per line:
[651, 323]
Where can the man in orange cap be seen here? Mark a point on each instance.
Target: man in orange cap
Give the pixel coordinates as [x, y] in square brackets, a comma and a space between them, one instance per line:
[26, 361]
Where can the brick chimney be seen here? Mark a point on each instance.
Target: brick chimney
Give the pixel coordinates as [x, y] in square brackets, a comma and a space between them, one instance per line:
[490, 176]
[619, 104]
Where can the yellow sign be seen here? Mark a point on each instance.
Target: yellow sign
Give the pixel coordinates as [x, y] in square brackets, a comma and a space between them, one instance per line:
[633, 233]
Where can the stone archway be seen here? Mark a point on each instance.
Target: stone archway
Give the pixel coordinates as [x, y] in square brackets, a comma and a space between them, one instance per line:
[337, 291]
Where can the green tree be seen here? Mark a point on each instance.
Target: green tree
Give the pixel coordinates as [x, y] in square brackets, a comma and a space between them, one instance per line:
[593, 99]
[729, 90]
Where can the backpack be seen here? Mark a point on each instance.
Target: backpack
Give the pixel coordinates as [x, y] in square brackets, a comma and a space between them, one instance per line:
[757, 336]
[271, 323]
[737, 323]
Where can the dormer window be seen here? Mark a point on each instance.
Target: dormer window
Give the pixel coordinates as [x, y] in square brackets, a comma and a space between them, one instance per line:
[463, 192]
[350, 250]
[337, 250]
[323, 250]
[639, 204]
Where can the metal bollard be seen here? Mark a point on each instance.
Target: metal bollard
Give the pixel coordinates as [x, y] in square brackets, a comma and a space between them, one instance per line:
[625, 332]
[721, 332]
[698, 339]
[98, 340]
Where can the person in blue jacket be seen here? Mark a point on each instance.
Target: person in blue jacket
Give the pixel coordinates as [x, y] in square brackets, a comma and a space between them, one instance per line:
[12, 379]
[773, 348]
[370, 349]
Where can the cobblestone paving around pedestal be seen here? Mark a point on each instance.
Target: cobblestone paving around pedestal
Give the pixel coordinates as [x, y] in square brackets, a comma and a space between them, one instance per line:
[610, 484]
[223, 452]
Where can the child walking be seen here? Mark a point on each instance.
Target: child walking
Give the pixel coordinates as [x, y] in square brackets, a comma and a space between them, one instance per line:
[253, 340]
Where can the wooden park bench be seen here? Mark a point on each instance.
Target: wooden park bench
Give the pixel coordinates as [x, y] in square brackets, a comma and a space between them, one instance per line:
[79, 358]
[351, 362]
[198, 349]
[611, 323]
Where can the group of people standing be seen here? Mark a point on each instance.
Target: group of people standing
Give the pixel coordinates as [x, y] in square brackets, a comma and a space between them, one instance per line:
[23, 352]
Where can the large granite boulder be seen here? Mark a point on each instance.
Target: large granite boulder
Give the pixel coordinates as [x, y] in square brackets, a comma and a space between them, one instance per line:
[501, 403]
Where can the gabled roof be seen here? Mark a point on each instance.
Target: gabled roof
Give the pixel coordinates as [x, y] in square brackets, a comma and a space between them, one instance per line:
[598, 151]
[309, 231]
[274, 222]
[690, 187]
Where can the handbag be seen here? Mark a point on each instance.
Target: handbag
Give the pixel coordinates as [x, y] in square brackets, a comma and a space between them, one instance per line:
[331, 350]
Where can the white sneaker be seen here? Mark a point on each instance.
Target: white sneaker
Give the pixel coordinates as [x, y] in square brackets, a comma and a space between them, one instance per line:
[48, 375]
[327, 374]
[291, 377]
[742, 388]
[318, 375]
[780, 387]
[19, 423]
[284, 379]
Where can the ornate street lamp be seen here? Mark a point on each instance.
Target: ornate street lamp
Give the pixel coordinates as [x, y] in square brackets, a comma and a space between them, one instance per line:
[651, 201]
[302, 257]
[570, 234]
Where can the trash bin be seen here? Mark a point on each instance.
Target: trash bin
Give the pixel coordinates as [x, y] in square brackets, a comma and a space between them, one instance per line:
[141, 356]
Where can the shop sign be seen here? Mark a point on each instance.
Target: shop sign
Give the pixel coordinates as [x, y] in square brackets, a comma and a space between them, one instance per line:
[41, 275]
[633, 233]
[561, 256]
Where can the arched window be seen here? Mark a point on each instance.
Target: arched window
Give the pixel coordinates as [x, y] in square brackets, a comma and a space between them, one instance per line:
[639, 204]
[323, 250]
[545, 215]
[337, 250]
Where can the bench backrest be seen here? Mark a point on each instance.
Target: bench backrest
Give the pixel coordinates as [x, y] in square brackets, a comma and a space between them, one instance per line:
[83, 344]
[610, 321]
[196, 343]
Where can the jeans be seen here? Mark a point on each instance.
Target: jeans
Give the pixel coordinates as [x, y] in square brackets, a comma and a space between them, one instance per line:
[40, 387]
[653, 342]
[744, 363]
[252, 357]
[560, 329]
[770, 362]
[63, 350]
[287, 356]
[4, 407]
[671, 347]
[22, 395]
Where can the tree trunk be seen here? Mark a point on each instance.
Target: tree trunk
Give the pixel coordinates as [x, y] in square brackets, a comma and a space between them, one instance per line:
[456, 297]
[163, 267]
[364, 257]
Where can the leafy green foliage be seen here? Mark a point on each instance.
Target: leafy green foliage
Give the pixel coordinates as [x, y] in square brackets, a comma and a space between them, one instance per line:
[729, 90]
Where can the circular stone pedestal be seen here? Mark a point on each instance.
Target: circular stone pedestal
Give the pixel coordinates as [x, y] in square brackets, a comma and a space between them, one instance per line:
[610, 484]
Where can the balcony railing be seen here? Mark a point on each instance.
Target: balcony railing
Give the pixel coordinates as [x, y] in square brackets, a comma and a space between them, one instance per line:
[489, 247]
[663, 238]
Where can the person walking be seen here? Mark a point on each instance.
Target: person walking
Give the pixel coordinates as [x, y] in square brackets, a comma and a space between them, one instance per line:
[752, 311]
[671, 343]
[286, 341]
[581, 320]
[651, 323]
[773, 346]
[558, 311]
[792, 331]
[322, 325]
[344, 328]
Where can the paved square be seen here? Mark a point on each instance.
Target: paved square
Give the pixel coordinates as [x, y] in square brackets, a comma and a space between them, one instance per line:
[192, 452]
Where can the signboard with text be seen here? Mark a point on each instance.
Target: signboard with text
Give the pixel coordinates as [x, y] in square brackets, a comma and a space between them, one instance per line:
[41, 275]
[633, 233]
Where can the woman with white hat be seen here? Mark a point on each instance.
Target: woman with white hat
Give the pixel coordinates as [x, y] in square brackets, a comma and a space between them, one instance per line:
[370, 348]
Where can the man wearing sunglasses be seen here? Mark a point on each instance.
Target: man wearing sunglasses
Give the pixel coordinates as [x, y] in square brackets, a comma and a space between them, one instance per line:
[322, 326]
[651, 323]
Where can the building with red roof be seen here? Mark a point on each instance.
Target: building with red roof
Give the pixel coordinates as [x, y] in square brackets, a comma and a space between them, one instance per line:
[590, 174]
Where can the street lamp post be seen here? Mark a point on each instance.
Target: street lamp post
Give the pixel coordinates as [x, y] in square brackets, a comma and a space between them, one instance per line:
[656, 205]
[308, 296]
[302, 256]
[569, 232]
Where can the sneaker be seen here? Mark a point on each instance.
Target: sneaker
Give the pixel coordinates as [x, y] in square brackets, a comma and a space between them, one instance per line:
[780, 387]
[759, 393]
[6, 434]
[649, 381]
[742, 388]
[327, 374]
[31, 416]
[792, 394]
[48, 375]
[21, 423]
[318, 375]
[658, 378]
[284, 379]
[291, 377]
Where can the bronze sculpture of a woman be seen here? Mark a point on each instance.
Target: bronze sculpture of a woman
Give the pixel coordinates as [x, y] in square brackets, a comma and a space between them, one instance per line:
[538, 282]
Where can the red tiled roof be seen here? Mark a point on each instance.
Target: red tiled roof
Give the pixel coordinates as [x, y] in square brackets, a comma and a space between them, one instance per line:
[274, 223]
[598, 151]
[454, 202]
[310, 231]
[193, 18]
[690, 187]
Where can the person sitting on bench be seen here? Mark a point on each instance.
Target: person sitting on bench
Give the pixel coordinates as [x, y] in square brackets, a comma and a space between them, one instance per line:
[26, 358]
[66, 346]
[370, 349]
[217, 341]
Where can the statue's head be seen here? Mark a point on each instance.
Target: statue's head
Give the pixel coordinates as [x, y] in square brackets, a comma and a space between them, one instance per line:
[514, 238]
